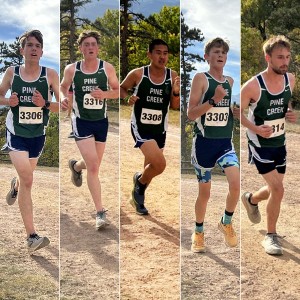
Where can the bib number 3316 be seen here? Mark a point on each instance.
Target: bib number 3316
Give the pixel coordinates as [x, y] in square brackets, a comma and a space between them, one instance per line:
[92, 103]
[30, 115]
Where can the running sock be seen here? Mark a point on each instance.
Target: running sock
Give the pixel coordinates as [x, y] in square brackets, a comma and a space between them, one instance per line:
[199, 227]
[226, 219]
[249, 200]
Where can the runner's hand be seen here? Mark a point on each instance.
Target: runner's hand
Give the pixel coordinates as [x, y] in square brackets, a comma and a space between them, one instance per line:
[264, 130]
[220, 93]
[291, 116]
[37, 99]
[132, 99]
[13, 100]
[64, 104]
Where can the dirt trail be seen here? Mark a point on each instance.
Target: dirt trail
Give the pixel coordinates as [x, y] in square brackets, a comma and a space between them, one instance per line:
[23, 276]
[265, 276]
[89, 258]
[149, 245]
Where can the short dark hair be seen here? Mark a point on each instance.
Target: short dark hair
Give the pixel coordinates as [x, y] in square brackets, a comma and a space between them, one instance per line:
[218, 43]
[156, 42]
[35, 33]
[88, 33]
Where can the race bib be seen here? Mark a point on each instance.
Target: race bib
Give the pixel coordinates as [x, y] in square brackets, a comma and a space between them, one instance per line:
[277, 125]
[30, 115]
[92, 103]
[151, 116]
[217, 116]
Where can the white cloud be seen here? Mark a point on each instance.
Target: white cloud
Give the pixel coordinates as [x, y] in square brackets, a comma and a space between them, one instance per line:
[214, 18]
[36, 14]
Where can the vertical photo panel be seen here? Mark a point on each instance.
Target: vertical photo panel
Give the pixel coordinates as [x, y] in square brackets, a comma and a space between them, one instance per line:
[150, 150]
[89, 150]
[29, 156]
[210, 143]
[270, 141]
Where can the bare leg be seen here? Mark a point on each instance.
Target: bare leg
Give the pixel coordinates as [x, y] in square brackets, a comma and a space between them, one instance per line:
[25, 167]
[92, 153]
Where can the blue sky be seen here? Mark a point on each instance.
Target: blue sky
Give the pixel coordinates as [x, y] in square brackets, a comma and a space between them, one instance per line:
[217, 18]
[97, 8]
[18, 16]
[148, 7]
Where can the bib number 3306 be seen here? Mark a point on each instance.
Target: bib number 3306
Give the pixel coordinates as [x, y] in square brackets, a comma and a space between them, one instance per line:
[151, 116]
[30, 115]
[92, 103]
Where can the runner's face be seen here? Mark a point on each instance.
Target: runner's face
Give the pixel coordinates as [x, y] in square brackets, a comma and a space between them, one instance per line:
[279, 60]
[216, 57]
[89, 48]
[32, 50]
[159, 56]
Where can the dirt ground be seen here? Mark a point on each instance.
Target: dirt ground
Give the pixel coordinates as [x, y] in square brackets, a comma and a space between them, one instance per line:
[216, 273]
[23, 276]
[265, 276]
[89, 259]
[150, 245]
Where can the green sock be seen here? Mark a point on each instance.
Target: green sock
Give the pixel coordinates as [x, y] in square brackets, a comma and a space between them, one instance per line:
[226, 219]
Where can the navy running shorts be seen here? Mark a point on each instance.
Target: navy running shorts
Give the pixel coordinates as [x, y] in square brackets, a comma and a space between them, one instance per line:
[267, 159]
[140, 138]
[206, 153]
[34, 146]
[84, 129]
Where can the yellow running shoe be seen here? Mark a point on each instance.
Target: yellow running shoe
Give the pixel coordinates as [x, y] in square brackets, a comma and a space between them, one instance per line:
[198, 242]
[229, 234]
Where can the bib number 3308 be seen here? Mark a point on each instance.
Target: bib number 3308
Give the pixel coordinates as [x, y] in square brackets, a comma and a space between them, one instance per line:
[30, 115]
[151, 116]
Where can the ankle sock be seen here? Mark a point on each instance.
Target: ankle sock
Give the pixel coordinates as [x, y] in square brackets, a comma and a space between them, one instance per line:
[199, 227]
[249, 200]
[226, 219]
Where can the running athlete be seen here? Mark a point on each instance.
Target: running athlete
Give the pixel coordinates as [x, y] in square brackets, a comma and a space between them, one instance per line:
[156, 88]
[210, 108]
[30, 102]
[93, 82]
[268, 97]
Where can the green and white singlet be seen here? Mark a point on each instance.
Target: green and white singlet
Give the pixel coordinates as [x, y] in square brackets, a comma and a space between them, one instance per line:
[150, 112]
[217, 122]
[269, 109]
[84, 105]
[27, 119]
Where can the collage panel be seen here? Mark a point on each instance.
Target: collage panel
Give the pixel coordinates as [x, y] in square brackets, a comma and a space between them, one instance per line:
[210, 132]
[270, 106]
[29, 91]
[150, 150]
[89, 150]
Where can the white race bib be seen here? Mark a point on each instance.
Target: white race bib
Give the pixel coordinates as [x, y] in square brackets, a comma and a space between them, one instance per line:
[30, 115]
[278, 127]
[151, 116]
[92, 103]
[217, 116]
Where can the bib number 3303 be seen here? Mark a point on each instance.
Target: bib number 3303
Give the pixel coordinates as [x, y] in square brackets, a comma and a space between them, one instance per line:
[217, 116]
[30, 115]
[151, 116]
[92, 103]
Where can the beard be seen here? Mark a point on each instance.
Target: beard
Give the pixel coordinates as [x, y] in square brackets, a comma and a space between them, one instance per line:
[281, 70]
